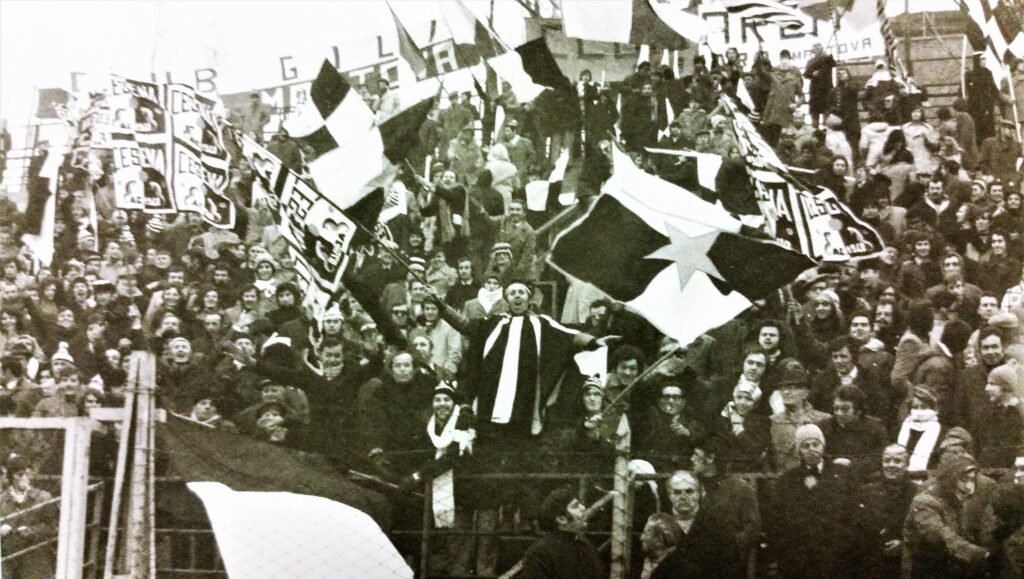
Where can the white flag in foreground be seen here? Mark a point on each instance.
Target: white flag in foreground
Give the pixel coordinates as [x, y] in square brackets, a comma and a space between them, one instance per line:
[273, 535]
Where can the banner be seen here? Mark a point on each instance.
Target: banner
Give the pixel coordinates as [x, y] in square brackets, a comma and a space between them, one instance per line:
[165, 142]
[317, 231]
[816, 224]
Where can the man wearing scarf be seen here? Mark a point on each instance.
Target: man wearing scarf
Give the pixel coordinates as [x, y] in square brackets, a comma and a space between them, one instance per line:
[514, 363]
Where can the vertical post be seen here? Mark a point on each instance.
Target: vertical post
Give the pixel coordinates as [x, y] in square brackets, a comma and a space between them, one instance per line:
[139, 533]
[428, 521]
[963, 68]
[96, 521]
[622, 517]
[74, 493]
[120, 470]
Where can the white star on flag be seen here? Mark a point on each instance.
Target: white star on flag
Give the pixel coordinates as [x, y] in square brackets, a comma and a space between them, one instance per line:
[690, 254]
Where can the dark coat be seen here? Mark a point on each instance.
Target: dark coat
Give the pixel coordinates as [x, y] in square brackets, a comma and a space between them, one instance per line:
[876, 517]
[819, 70]
[561, 556]
[806, 527]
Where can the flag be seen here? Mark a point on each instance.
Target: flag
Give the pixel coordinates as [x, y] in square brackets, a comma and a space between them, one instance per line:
[41, 210]
[200, 453]
[995, 29]
[408, 50]
[684, 264]
[817, 224]
[350, 150]
[892, 52]
[625, 22]
[768, 12]
[275, 534]
[540, 194]
[530, 69]
[686, 24]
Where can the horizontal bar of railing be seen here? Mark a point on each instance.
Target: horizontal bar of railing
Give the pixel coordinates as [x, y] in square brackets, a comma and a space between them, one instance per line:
[35, 547]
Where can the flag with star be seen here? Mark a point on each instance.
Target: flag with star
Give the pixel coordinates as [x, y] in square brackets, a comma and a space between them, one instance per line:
[686, 265]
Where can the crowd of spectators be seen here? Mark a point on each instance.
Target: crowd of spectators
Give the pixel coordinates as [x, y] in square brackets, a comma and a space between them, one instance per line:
[878, 391]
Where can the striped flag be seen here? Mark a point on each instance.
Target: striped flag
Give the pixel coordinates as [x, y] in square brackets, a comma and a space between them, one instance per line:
[892, 52]
[996, 30]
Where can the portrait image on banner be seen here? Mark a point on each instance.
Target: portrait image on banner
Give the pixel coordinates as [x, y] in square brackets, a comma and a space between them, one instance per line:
[319, 230]
[189, 184]
[156, 192]
[138, 106]
[127, 176]
[219, 211]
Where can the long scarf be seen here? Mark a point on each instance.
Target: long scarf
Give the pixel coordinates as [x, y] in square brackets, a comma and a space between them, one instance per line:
[922, 451]
[443, 485]
[509, 380]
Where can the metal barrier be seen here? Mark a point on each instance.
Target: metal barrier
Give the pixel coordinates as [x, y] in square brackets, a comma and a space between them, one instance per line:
[45, 517]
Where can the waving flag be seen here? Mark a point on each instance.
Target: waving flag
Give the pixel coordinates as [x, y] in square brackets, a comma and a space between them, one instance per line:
[769, 12]
[995, 29]
[684, 264]
[817, 224]
[278, 534]
[350, 150]
[626, 22]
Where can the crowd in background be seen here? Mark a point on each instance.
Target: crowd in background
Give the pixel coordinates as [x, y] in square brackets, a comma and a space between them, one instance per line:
[879, 391]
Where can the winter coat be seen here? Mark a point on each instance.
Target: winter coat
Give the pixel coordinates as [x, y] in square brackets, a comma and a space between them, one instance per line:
[872, 140]
[787, 85]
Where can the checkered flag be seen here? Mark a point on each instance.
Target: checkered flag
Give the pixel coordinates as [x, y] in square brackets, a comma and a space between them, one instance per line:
[996, 30]
[352, 155]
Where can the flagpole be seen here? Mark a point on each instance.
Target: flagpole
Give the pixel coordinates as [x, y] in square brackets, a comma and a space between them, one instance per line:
[963, 68]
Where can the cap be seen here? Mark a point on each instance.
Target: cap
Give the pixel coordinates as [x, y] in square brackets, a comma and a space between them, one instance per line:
[809, 432]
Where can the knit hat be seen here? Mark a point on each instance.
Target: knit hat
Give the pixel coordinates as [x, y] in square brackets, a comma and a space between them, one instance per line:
[809, 432]
[593, 382]
[177, 340]
[445, 388]
[333, 313]
[834, 122]
[749, 388]
[62, 354]
[417, 262]
[1005, 376]
[792, 373]
[155, 224]
[501, 247]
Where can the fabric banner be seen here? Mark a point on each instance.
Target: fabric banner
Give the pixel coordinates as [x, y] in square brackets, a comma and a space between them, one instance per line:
[167, 144]
[816, 224]
[316, 229]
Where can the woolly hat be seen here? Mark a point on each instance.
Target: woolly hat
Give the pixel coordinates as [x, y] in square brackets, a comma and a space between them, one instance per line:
[417, 262]
[17, 463]
[593, 382]
[445, 388]
[1005, 376]
[333, 313]
[792, 373]
[62, 354]
[808, 432]
[179, 339]
[155, 224]
[749, 388]
[501, 247]
[834, 122]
